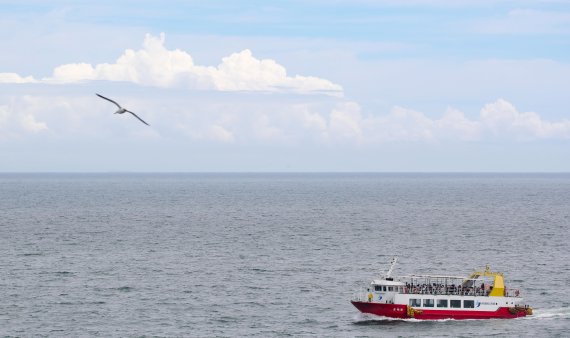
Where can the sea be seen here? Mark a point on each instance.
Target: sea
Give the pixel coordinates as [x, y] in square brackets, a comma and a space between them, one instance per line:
[271, 254]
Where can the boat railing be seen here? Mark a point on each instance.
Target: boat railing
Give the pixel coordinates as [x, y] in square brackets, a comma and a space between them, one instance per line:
[455, 290]
[360, 295]
[512, 293]
[446, 290]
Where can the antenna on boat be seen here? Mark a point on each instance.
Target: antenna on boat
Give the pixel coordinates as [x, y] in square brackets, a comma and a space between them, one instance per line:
[392, 263]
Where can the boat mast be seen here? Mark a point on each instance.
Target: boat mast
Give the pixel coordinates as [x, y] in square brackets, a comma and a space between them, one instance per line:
[388, 274]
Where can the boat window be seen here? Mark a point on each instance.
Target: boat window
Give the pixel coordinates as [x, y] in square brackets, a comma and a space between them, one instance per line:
[390, 288]
[384, 288]
[428, 302]
[442, 303]
[455, 303]
[377, 288]
[469, 304]
[415, 302]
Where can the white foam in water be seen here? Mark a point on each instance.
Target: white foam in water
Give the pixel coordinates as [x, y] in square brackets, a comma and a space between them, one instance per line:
[363, 317]
[558, 313]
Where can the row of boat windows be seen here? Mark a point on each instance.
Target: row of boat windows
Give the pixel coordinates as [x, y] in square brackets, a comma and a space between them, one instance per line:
[453, 303]
[388, 288]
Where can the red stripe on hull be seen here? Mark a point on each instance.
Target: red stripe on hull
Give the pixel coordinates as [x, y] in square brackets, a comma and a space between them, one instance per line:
[400, 311]
[386, 310]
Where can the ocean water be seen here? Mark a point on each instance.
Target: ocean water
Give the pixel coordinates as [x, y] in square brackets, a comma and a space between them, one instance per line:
[269, 255]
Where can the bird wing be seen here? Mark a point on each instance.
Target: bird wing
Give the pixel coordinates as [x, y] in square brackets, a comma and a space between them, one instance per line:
[108, 99]
[135, 115]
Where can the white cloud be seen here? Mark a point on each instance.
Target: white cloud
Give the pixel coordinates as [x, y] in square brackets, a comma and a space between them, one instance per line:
[235, 120]
[220, 133]
[29, 123]
[15, 78]
[17, 122]
[311, 120]
[403, 125]
[345, 122]
[503, 119]
[155, 65]
[498, 120]
[455, 125]
[73, 72]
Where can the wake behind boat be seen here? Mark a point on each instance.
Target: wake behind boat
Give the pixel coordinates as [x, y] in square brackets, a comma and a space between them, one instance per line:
[482, 295]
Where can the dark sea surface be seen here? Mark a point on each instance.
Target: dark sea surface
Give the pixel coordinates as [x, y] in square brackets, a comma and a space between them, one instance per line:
[268, 255]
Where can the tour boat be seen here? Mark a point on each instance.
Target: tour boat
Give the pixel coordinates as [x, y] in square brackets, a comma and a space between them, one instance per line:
[482, 295]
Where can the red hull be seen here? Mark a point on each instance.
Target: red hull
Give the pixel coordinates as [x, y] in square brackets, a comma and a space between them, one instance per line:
[400, 311]
[386, 310]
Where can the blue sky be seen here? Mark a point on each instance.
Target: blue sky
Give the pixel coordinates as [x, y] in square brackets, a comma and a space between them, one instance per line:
[390, 85]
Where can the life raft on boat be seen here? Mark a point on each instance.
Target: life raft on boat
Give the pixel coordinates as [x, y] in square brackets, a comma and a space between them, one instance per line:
[521, 309]
[412, 312]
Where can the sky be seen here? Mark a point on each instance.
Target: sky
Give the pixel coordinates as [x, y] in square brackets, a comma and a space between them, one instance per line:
[285, 86]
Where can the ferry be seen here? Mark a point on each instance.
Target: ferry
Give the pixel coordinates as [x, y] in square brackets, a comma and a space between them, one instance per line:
[482, 295]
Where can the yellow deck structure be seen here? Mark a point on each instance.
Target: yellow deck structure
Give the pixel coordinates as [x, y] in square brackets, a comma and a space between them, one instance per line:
[498, 281]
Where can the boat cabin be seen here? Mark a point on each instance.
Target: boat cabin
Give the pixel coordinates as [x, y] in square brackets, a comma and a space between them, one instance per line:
[384, 290]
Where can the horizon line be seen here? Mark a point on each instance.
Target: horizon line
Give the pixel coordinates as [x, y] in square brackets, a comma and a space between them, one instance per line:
[282, 172]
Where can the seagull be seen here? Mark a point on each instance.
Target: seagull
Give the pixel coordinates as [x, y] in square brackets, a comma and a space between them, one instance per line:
[121, 109]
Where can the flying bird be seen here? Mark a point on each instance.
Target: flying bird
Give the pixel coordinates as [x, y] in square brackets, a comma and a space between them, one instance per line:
[121, 109]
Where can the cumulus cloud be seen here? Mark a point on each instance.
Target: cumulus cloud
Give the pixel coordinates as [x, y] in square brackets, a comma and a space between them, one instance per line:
[235, 120]
[502, 118]
[498, 120]
[15, 78]
[455, 125]
[345, 122]
[155, 65]
[16, 122]
[402, 124]
[29, 123]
